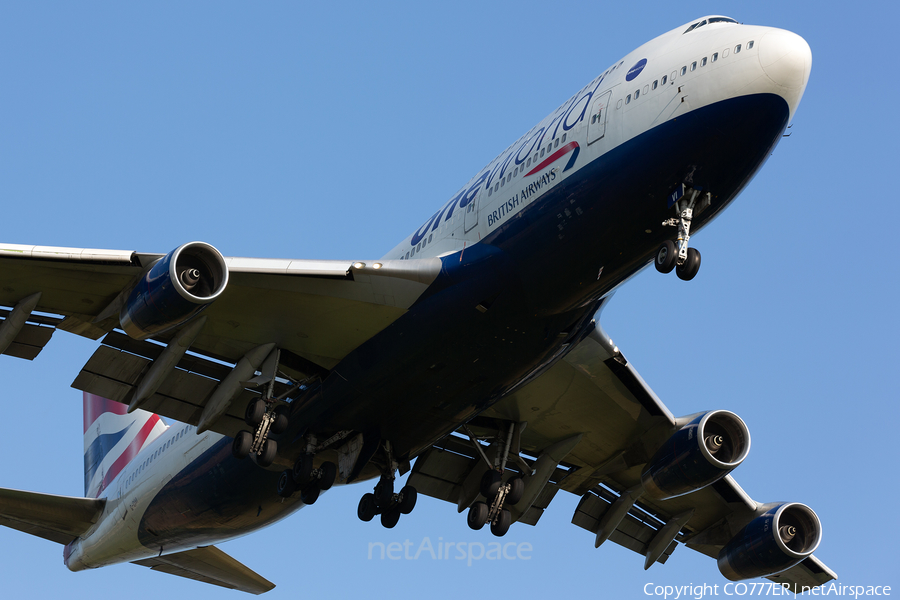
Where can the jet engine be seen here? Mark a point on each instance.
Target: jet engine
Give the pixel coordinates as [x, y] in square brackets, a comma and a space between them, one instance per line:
[774, 541]
[698, 454]
[174, 290]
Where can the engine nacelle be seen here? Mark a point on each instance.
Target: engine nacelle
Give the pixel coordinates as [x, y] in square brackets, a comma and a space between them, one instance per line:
[698, 454]
[774, 541]
[175, 289]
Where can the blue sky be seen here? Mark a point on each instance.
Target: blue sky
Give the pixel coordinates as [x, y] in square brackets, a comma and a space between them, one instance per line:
[333, 130]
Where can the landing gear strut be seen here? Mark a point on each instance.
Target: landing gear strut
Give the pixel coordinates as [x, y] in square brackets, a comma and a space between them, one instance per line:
[677, 255]
[383, 501]
[267, 419]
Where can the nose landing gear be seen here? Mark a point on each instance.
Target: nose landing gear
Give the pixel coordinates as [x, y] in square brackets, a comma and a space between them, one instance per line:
[677, 255]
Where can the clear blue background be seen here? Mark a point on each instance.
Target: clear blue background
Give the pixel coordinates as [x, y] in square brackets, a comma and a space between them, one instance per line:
[334, 130]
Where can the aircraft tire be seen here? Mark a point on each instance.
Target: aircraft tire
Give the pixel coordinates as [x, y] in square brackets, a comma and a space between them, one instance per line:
[516, 490]
[303, 469]
[688, 270]
[286, 485]
[310, 494]
[240, 448]
[267, 456]
[478, 514]
[390, 518]
[410, 496]
[666, 256]
[367, 508]
[329, 474]
[504, 520]
[490, 483]
[254, 413]
[281, 420]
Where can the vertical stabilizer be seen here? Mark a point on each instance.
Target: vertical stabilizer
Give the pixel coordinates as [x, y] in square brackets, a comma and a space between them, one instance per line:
[112, 437]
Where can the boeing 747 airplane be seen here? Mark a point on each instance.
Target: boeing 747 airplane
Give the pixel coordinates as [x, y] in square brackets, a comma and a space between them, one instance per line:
[470, 356]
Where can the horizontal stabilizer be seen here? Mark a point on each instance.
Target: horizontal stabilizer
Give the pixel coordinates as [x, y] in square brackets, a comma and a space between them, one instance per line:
[56, 518]
[210, 565]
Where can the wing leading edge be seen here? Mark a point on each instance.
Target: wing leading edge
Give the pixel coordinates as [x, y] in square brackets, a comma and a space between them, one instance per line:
[312, 312]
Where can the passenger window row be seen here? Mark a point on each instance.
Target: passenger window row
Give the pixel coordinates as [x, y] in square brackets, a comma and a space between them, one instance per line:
[156, 454]
[684, 70]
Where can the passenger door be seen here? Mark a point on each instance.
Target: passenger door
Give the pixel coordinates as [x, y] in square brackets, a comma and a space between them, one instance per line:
[600, 107]
[471, 218]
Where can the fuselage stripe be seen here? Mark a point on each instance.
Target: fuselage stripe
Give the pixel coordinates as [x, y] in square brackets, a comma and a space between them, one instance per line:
[129, 453]
[555, 157]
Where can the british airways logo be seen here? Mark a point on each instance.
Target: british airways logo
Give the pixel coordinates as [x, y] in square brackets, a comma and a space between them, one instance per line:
[636, 69]
[563, 119]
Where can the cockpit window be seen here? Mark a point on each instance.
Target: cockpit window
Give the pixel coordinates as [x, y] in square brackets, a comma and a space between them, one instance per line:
[710, 20]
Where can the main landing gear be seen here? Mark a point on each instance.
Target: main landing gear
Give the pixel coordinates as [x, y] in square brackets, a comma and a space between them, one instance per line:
[499, 496]
[266, 419]
[384, 501]
[309, 480]
[677, 255]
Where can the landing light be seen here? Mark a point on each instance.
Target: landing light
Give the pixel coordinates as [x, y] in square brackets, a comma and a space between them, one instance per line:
[376, 266]
[359, 265]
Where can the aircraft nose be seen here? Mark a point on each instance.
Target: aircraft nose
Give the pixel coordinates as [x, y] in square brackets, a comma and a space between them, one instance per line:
[786, 59]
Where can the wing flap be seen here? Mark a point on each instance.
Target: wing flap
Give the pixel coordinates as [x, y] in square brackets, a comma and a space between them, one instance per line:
[56, 518]
[32, 338]
[208, 564]
[114, 373]
[635, 532]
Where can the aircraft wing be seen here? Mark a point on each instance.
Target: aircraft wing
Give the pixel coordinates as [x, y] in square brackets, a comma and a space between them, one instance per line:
[210, 565]
[587, 425]
[314, 312]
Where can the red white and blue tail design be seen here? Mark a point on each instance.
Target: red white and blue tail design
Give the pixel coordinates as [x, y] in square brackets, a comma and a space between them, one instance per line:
[112, 437]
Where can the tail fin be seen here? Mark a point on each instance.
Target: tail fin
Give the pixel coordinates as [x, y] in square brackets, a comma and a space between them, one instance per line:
[112, 437]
